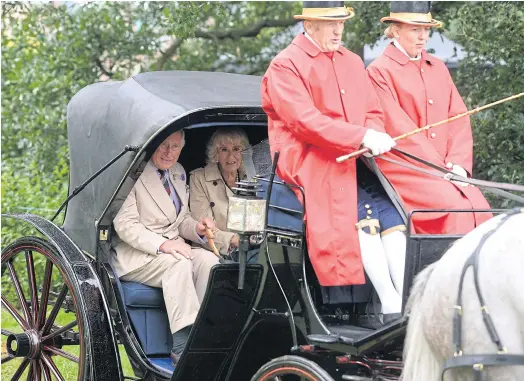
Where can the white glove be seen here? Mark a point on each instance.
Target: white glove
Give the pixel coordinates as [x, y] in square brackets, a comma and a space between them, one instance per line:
[458, 170]
[378, 142]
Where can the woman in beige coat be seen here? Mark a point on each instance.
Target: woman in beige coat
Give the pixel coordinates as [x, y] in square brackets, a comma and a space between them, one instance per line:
[210, 187]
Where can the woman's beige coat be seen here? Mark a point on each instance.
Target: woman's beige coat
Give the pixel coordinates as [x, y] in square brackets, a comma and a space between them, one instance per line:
[209, 198]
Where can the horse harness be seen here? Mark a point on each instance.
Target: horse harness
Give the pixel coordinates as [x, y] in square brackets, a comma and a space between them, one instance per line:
[479, 361]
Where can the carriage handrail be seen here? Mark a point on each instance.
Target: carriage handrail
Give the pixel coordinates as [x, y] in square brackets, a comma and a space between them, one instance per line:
[268, 200]
[78, 189]
[270, 187]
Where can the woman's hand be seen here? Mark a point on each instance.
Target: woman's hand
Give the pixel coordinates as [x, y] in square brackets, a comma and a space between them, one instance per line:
[203, 224]
[235, 241]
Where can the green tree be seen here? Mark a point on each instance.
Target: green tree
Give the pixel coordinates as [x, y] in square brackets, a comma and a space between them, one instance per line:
[493, 37]
[51, 51]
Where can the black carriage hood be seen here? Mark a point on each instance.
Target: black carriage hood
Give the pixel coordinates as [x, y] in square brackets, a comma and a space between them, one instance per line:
[104, 117]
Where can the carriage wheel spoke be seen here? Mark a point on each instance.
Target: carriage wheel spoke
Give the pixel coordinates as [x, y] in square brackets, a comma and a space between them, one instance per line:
[19, 292]
[7, 358]
[36, 371]
[62, 353]
[54, 312]
[20, 370]
[45, 361]
[30, 372]
[12, 310]
[60, 331]
[52, 367]
[45, 371]
[32, 284]
[46, 285]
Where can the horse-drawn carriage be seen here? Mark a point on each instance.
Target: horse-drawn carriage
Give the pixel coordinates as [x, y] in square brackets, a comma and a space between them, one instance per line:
[262, 321]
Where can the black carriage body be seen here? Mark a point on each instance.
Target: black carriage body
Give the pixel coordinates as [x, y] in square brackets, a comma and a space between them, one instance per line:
[104, 118]
[279, 310]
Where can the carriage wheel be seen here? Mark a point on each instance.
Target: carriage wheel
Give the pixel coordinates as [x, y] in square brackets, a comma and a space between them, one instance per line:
[41, 325]
[291, 368]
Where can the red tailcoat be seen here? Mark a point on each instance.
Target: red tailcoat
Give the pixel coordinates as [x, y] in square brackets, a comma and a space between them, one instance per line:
[317, 104]
[414, 94]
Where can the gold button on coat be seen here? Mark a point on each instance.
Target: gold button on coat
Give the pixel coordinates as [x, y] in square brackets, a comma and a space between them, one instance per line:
[342, 91]
[433, 135]
[430, 101]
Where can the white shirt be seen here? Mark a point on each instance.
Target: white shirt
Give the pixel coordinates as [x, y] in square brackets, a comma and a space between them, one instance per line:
[399, 47]
[313, 41]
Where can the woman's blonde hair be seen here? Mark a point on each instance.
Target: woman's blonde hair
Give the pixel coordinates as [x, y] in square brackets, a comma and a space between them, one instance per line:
[226, 134]
[389, 30]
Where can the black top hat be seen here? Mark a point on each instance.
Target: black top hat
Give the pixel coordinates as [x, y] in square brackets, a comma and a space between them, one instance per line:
[411, 12]
[325, 10]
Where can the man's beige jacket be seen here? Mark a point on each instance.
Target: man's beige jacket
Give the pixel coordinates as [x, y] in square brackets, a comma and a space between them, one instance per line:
[148, 218]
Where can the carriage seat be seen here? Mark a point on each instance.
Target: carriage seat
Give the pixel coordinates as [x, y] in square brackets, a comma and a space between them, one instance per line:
[147, 312]
[285, 210]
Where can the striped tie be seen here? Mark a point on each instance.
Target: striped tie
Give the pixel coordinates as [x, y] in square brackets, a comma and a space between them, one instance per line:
[165, 181]
[174, 198]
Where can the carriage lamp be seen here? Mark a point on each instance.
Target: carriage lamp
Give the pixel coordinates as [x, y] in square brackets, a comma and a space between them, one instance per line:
[246, 215]
[246, 212]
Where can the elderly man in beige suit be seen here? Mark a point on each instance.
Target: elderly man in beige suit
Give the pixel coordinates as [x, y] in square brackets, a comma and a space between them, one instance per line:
[151, 225]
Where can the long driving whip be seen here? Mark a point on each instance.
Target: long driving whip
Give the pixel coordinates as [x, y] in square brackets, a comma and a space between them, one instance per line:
[340, 159]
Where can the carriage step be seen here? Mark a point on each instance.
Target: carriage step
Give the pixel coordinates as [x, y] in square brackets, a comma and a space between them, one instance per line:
[346, 334]
[361, 339]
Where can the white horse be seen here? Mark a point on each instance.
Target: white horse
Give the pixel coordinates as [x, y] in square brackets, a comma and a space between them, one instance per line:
[431, 305]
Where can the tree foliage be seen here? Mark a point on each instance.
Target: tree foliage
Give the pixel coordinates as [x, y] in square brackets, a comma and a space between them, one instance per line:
[493, 37]
[52, 50]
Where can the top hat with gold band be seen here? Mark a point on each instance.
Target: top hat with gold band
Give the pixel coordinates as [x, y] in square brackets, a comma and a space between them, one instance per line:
[325, 10]
[411, 12]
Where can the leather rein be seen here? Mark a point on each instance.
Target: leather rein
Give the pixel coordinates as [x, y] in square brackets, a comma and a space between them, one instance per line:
[500, 189]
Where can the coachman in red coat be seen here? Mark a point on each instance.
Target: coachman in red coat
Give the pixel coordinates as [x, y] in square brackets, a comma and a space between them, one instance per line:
[320, 104]
[416, 89]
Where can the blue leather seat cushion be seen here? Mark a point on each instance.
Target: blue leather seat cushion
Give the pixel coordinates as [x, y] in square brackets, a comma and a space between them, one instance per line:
[283, 197]
[152, 328]
[147, 312]
[140, 295]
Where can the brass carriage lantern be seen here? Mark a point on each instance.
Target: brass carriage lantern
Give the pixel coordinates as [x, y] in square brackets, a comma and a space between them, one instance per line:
[246, 215]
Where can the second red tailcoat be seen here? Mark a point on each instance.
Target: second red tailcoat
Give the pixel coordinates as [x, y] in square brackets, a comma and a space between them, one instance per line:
[414, 94]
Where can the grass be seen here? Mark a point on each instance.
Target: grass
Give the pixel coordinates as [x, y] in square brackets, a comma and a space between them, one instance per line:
[68, 368]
